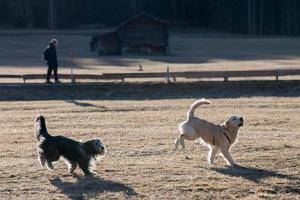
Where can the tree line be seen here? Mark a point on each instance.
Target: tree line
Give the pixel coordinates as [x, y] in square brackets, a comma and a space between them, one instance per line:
[281, 17]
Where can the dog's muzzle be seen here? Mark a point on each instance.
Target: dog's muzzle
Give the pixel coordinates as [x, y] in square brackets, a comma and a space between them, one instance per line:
[241, 122]
[102, 150]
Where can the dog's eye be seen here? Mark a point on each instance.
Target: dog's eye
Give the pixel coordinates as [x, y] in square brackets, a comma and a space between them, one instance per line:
[234, 119]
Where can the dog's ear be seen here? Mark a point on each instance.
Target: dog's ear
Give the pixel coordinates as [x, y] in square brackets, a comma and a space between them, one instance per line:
[90, 147]
[39, 117]
[98, 145]
[94, 147]
[227, 123]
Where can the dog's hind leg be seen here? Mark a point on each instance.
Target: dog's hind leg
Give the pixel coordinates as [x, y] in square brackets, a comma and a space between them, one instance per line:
[187, 133]
[182, 142]
[72, 168]
[42, 159]
[177, 142]
[49, 165]
[212, 154]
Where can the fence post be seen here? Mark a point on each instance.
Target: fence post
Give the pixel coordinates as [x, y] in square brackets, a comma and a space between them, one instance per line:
[140, 67]
[72, 74]
[168, 74]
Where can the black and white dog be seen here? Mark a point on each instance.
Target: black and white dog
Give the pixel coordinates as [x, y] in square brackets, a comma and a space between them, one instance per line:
[50, 148]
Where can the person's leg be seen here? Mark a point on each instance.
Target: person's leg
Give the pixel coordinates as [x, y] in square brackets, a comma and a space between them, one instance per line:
[48, 76]
[55, 75]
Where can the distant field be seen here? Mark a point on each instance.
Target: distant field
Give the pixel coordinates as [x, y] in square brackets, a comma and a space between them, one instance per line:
[190, 50]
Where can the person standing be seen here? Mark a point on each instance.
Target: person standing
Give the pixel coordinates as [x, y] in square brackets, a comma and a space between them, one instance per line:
[50, 57]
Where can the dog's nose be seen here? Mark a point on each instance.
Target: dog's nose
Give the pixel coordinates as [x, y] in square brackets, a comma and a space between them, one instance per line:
[241, 119]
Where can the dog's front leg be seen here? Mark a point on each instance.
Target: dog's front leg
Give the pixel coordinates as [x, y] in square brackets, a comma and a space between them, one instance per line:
[84, 166]
[42, 159]
[228, 157]
[180, 140]
[87, 173]
[177, 142]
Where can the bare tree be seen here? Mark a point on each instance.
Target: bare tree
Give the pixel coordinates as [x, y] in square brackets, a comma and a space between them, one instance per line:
[29, 14]
[254, 26]
[52, 15]
[133, 6]
[249, 16]
[261, 18]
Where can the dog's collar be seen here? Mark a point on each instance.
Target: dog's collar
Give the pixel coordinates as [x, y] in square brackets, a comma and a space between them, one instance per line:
[226, 136]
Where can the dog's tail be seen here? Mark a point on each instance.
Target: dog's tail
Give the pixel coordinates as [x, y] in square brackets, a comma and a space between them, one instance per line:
[194, 106]
[41, 132]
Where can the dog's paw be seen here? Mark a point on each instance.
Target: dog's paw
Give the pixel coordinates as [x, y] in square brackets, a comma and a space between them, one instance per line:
[188, 158]
[240, 166]
[74, 175]
[89, 176]
[49, 166]
[237, 165]
[95, 173]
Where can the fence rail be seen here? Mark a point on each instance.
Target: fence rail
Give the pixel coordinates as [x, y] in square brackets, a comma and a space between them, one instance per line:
[166, 75]
[10, 76]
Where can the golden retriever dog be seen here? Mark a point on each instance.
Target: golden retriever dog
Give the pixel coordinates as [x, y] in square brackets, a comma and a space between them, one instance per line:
[218, 137]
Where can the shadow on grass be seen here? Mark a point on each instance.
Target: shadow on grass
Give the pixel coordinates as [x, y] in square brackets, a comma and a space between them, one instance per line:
[253, 174]
[103, 108]
[85, 105]
[86, 188]
[146, 91]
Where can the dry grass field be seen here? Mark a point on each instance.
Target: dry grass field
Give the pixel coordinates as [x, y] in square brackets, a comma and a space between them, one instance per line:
[138, 121]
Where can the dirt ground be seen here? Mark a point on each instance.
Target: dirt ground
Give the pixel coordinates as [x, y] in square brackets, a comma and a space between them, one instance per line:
[138, 121]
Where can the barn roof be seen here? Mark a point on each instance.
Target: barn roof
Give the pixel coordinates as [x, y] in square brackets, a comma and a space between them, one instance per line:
[142, 14]
[103, 35]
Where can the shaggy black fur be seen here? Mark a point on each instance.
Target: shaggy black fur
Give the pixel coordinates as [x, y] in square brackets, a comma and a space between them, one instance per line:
[50, 148]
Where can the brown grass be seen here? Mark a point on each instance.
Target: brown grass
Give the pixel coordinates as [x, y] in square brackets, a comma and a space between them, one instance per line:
[140, 163]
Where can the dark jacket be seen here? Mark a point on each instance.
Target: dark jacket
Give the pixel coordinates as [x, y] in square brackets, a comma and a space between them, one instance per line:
[50, 55]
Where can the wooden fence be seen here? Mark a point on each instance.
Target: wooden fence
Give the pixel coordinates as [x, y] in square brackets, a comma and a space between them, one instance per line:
[165, 75]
